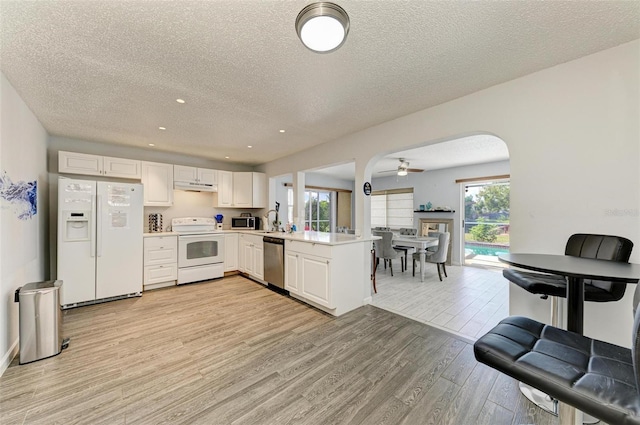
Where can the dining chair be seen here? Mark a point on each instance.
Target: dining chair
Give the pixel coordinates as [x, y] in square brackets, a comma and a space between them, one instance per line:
[384, 249]
[405, 231]
[439, 257]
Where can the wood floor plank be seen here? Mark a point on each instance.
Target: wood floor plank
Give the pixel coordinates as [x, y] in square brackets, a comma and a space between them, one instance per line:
[231, 351]
[493, 414]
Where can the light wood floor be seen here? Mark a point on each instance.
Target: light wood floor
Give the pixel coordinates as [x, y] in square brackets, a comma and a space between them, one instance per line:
[233, 352]
[469, 302]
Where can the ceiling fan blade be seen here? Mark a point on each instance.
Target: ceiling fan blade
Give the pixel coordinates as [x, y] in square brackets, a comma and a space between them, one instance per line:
[388, 171]
[415, 170]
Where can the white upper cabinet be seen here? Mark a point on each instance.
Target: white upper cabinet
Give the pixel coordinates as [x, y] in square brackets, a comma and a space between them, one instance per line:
[193, 178]
[96, 165]
[158, 184]
[120, 167]
[242, 190]
[249, 190]
[225, 189]
[79, 163]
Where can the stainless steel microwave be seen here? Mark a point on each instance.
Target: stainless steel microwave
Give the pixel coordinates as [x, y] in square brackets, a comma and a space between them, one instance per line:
[246, 223]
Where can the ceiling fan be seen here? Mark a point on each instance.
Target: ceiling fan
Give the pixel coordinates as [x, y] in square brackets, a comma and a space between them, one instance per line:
[403, 168]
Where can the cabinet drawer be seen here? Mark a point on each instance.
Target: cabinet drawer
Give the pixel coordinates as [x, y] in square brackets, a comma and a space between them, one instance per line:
[311, 248]
[161, 241]
[160, 255]
[160, 273]
[160, 250]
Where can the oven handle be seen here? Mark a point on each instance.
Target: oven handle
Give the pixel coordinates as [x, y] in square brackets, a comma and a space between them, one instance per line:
[199, 236]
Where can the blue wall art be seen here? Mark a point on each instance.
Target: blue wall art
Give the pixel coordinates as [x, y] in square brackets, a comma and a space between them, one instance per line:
[21, 196]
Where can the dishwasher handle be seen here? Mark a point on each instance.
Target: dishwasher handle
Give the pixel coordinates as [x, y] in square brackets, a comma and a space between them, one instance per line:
[269, 239]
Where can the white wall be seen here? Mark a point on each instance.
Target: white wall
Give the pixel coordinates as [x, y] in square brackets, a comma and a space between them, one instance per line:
[23, 243]
[440, 188]
[573, 134]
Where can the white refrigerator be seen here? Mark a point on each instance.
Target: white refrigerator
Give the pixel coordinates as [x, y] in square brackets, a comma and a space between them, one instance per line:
[99, 240]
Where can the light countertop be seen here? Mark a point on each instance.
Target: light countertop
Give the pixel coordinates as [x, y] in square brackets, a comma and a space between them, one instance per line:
[157, 234]
[316, 237]
[312, 237]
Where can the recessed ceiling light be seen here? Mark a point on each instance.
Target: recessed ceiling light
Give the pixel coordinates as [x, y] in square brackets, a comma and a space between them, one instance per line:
[281, 131]
[180, 100]
[226, 157]
[249, 146]
[151, 144]
[162, 128]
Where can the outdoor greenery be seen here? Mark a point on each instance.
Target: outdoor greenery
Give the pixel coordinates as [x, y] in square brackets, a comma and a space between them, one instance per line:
[491, 203]
[317, 214]
[490, 209]
[484, 232]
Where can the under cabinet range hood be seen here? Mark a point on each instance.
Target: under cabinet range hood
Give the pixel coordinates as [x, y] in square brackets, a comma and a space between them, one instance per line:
[195, 186]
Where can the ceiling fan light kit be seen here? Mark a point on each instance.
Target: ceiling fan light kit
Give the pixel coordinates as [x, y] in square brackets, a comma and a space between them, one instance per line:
[322, 27]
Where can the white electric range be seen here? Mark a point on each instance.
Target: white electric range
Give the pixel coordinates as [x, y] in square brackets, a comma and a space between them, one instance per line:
[200, 249]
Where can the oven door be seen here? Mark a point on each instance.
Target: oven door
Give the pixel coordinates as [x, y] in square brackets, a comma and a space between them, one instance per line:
[199, 250]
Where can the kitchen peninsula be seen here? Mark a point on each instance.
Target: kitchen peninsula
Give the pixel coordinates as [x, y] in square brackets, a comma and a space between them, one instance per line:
[327, 270]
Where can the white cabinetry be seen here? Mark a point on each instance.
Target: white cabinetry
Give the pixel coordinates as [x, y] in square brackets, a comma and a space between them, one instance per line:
[251, 255]
[231, 247]
[96, 165]
[249, 190]
[327, 276]
[160, 261]
[183, 175]
[158, 184]
[225, 189]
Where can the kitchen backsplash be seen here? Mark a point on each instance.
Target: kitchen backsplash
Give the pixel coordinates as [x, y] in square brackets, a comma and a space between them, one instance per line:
[194, 204]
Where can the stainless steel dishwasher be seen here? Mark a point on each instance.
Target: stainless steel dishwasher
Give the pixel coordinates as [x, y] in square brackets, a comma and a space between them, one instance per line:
[274, 261]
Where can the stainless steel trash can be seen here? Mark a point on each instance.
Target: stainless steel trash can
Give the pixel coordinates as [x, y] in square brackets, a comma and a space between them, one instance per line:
[40, 320]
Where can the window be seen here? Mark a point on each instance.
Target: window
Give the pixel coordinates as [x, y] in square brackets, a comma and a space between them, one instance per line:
[317, 209]
[392, 208]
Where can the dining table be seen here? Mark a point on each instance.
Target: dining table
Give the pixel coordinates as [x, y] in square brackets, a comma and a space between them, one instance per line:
[420, 243]
[576, 270]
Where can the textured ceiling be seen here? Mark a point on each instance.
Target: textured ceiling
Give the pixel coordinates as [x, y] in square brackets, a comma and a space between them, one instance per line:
[110, 71]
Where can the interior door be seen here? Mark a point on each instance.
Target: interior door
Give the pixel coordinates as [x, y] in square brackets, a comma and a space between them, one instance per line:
[118, 239]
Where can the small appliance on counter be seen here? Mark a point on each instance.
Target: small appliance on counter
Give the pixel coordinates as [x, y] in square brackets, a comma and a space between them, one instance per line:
[245, 223]
[155, 223]
[219, 218]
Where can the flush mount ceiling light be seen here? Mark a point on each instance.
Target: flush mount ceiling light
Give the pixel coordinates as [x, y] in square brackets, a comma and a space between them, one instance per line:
[322, 27]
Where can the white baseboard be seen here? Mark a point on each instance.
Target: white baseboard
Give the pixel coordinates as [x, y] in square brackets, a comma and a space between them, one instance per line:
[8, 357]
[368, 300]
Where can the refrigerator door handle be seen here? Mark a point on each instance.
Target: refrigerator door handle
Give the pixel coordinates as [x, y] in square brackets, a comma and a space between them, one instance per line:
[92, 234]
[99, 225]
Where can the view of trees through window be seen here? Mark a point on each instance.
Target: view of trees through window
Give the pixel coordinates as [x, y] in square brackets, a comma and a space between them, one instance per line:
[487, 213]
[317, 207]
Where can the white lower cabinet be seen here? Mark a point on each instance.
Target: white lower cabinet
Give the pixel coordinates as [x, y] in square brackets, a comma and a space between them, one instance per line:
[251, 255]
[231, 248]
[160, 261]
[330, 277]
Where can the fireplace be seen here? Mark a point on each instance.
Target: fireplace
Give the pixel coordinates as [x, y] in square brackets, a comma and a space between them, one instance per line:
[438, 225]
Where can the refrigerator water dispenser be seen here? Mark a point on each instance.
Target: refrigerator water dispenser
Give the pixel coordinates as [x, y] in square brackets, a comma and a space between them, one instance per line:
[77, 226]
